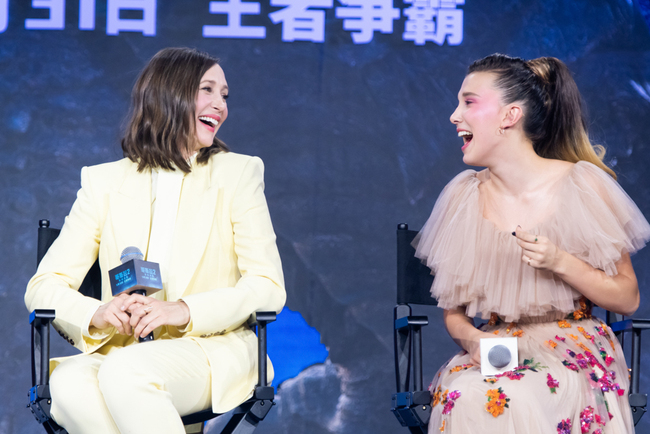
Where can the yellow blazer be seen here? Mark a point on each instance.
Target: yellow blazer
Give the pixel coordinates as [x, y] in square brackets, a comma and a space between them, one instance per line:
[224, 264]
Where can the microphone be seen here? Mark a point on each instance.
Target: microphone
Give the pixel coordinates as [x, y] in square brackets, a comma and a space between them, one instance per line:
[498, 355]
[135, 276]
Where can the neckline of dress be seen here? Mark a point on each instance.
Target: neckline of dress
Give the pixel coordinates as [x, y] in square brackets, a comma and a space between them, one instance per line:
[533, 229]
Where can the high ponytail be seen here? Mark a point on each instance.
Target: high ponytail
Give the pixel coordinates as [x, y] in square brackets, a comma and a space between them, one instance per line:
[565, 124]
[554, 121]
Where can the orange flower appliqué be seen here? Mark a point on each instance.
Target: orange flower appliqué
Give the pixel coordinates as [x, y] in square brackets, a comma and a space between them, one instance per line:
[497, 402]
[564, 324]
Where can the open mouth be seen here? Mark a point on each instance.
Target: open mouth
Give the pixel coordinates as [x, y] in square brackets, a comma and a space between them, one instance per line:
[466, 136]
[209, 121]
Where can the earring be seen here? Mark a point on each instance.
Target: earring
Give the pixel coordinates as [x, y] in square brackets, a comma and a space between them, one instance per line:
[501, 131]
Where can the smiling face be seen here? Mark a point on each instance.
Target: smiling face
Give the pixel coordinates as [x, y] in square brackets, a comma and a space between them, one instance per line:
[211, 107]
[478, 117]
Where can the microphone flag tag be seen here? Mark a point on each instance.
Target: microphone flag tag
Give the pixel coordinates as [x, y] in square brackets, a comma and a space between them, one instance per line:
[135, 274]
[498, 355]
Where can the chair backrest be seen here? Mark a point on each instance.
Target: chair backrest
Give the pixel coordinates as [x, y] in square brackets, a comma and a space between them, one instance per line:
[414, 279]
[92, 284]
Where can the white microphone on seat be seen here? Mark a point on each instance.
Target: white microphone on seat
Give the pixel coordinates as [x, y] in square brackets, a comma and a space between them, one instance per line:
[498, 355]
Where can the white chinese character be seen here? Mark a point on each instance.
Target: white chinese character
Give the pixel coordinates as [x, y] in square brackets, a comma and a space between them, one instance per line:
[235, 9]
[366, 17]
[4, 15]
[87, 14]
[298, 23]
[146, 25]
[420, 27]
[56, 21]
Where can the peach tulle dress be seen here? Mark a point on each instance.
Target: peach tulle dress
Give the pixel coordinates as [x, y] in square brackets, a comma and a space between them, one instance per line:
[572, 377]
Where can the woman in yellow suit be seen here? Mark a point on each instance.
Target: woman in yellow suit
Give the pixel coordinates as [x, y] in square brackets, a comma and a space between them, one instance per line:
[199, 211]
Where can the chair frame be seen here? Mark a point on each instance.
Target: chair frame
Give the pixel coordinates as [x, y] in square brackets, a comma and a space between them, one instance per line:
[243, 419]
[619, 325]
[411, 406]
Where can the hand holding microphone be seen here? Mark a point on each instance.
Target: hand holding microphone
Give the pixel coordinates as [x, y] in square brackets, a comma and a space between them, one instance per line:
[137, 278]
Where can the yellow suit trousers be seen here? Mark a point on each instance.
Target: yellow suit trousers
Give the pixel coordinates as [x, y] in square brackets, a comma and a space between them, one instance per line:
[142, 388]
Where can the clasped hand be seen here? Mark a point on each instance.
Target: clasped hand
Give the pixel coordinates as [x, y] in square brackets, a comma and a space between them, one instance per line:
[538, 251]
[139, 315]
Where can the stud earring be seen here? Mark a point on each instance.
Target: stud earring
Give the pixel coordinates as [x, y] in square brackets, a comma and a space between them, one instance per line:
[500, 131]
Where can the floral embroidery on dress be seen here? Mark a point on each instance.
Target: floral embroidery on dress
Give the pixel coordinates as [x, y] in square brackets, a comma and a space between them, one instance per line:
[606, 357]
[450, 401]
[583, 312]
[602, 330]
[587, 335]
[442, 428]
[564, 427]
[497, 402]
[458, 368]
[512, 375]
[570, 365]
[436, 397]
[518, 334]
[552, 383]
[560, 338]
[491, 380]
[530, 365]
[551, 344]
[496, 332]
[588, 417]
[582, 346]
[563, 324]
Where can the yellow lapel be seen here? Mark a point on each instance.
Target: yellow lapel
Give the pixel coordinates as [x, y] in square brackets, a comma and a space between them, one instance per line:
[130, 209]
[194, 224]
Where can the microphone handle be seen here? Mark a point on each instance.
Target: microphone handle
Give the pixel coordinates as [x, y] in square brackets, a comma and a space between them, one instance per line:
[149, 337]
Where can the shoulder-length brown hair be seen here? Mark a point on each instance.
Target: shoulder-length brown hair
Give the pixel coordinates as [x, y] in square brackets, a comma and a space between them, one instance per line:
[160, 129]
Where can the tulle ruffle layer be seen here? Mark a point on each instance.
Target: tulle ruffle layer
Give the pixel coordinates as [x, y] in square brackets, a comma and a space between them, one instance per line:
[479, 266]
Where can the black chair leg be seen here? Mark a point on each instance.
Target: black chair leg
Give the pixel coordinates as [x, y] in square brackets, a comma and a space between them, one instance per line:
[247, 416]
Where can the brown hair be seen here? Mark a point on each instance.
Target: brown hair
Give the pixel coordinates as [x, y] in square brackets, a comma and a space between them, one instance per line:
[554, 119]
[160, 129]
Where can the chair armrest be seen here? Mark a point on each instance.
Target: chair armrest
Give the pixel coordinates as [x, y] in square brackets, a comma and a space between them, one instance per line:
[409, 321]
[260, 319]
[39, 394]
[40, 320]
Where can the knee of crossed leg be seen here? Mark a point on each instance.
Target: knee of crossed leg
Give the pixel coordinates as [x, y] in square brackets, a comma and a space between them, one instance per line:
[121, 374]
[75, 392]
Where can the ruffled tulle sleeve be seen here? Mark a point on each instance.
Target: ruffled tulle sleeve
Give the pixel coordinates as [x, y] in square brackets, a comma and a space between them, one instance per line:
[479, 267]
[596, 220]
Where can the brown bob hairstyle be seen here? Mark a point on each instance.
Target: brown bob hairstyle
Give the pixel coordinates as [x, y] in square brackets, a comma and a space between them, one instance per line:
[160, 128]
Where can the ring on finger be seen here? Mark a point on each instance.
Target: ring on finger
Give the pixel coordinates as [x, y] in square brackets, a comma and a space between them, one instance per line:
[148, 308]
[535, 239]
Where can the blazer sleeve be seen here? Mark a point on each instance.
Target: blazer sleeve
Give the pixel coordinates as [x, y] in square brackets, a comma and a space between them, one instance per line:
[261, 286]
[62, 270]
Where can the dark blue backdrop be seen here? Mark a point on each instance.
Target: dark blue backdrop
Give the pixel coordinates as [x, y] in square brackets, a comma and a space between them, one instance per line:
[355, 138]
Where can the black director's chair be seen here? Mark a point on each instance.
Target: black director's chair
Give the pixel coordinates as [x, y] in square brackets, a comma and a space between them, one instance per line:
[638, 401]
[411, 406]
[243, 420]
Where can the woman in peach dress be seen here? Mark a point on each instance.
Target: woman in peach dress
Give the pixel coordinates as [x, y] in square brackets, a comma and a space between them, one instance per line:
[530, 243]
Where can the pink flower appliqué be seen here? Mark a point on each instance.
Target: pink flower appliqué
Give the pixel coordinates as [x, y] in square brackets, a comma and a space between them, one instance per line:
[564, 427]
[552, 383]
